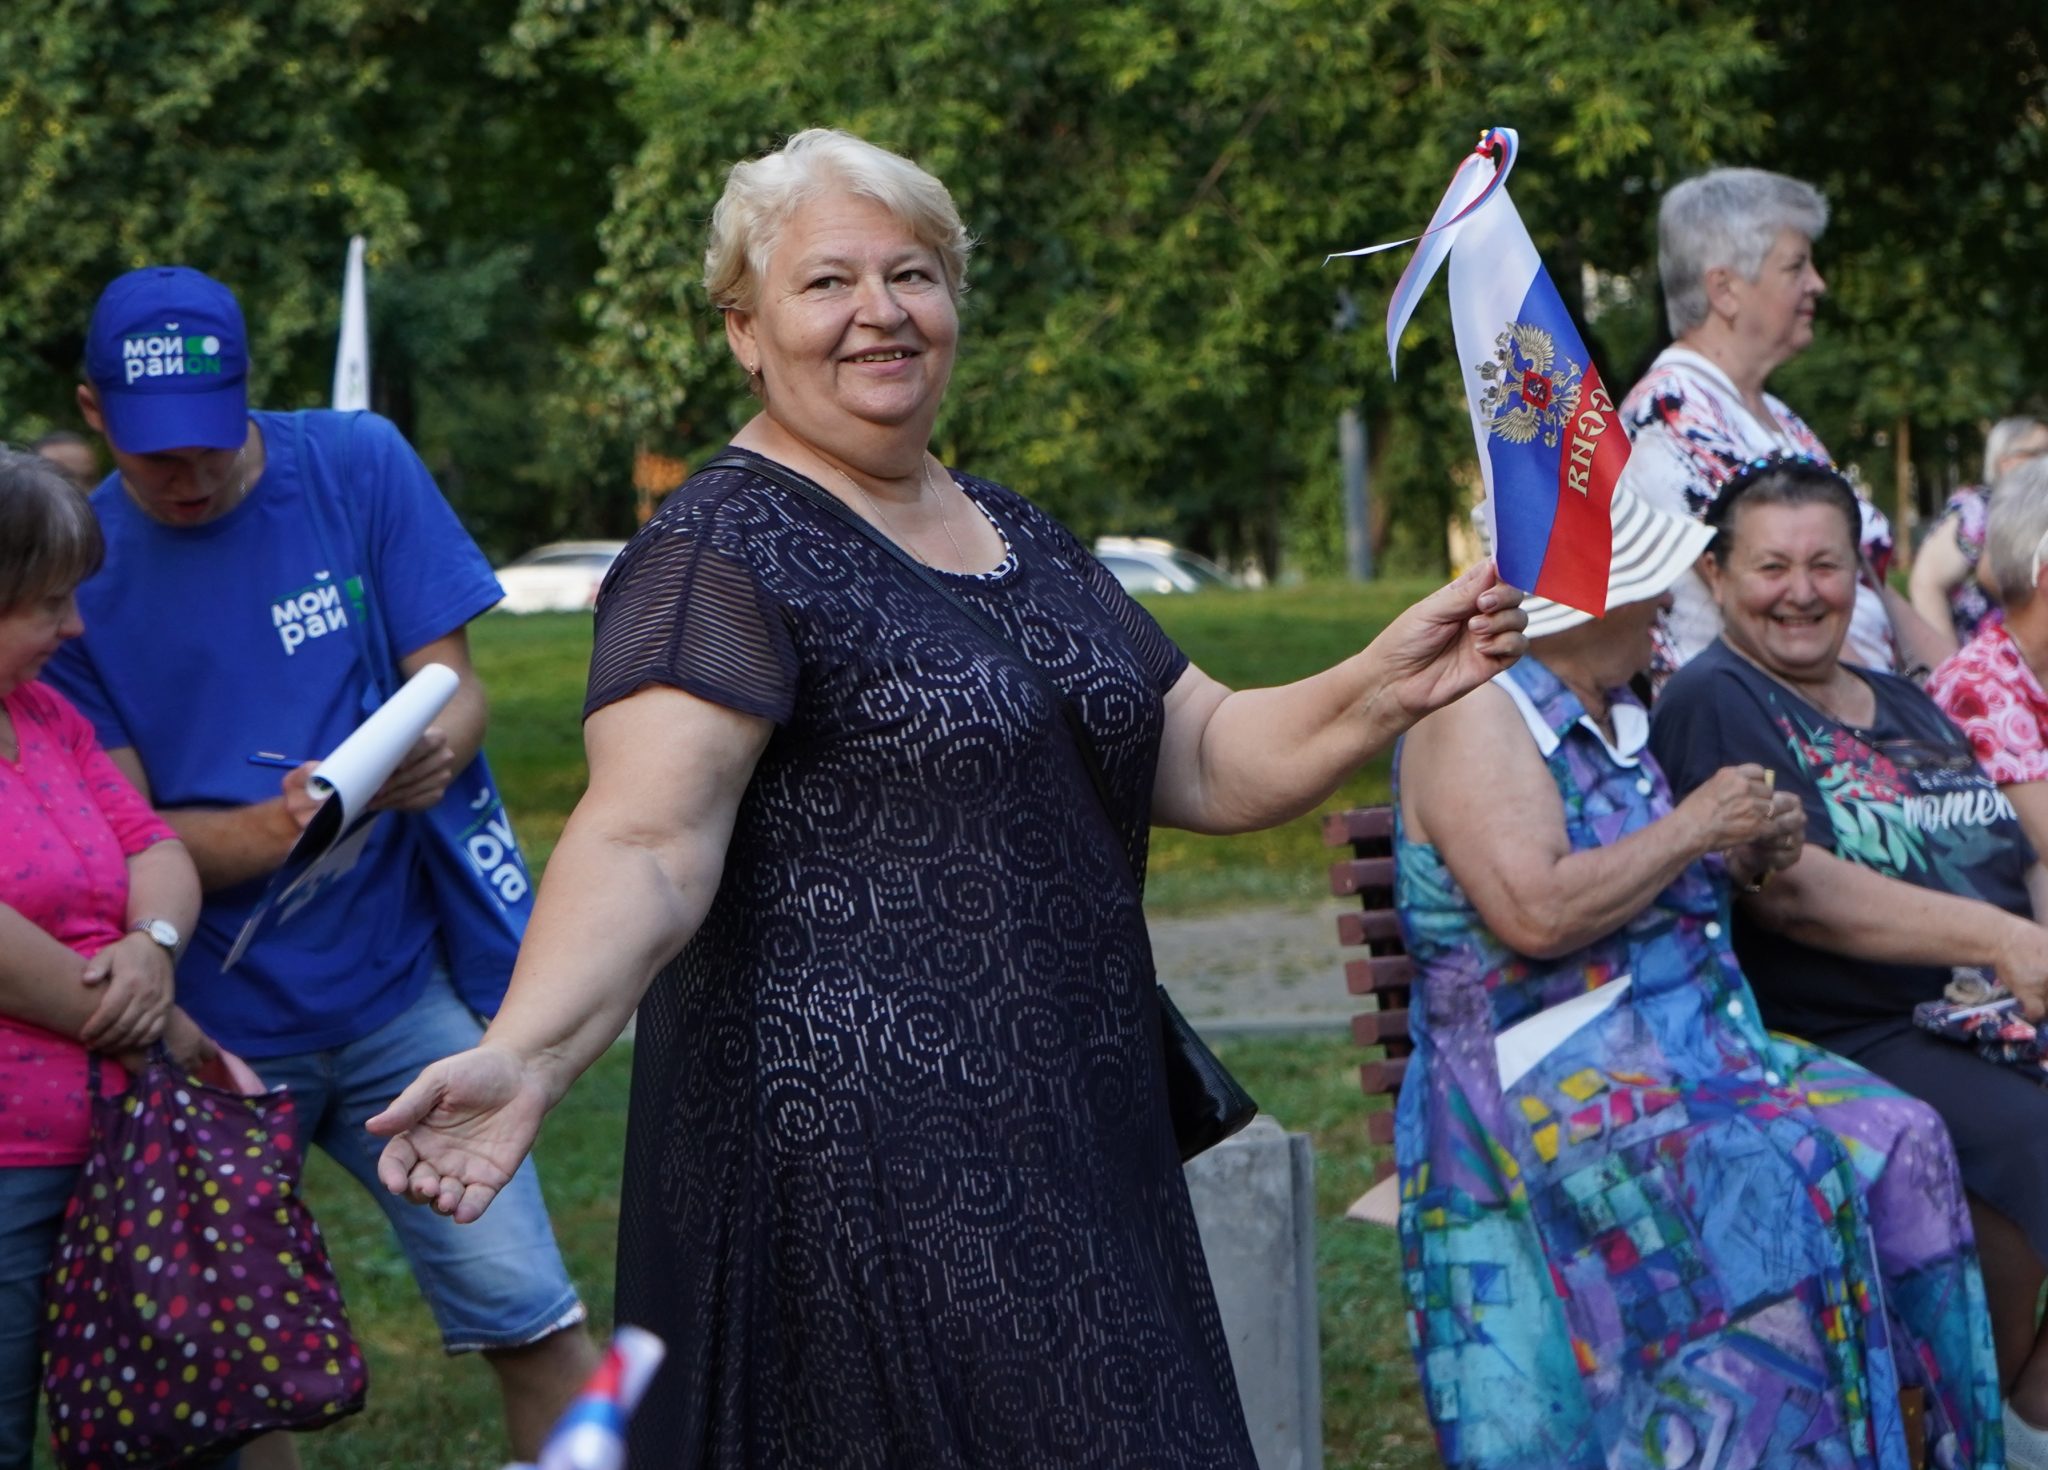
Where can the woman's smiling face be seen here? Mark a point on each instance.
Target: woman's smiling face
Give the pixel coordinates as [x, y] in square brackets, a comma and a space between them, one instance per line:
[854, 325]
[1787, 586]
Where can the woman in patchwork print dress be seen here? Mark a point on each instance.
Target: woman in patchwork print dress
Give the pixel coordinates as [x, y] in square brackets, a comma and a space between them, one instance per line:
[1637, 1229]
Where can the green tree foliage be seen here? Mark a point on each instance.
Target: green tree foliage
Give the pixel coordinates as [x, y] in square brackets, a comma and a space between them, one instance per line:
[1149, 332]
[1155, 186]
[1934, 168]
[217, 136]
[251, 140]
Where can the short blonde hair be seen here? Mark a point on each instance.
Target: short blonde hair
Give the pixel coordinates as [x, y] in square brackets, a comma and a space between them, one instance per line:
[762, 193]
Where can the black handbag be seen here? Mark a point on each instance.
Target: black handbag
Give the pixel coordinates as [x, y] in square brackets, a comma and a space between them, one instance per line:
[1206, 1103]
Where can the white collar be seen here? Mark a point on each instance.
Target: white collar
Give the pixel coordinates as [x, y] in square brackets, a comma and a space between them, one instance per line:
[1687, 359]
[1631, 725]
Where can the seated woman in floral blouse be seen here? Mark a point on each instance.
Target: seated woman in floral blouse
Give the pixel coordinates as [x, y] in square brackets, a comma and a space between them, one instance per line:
[95, 892]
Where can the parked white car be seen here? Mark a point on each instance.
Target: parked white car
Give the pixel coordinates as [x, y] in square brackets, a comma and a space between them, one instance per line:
[1144, 566]
[562, 576]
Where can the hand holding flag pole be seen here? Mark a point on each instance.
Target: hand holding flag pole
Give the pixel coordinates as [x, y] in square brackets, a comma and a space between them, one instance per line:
[1551, 444]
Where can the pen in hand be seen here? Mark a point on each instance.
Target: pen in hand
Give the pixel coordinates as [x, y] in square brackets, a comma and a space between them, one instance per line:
[272, 758]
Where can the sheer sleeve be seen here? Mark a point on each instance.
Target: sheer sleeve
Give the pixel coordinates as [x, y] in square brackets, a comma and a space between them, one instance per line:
[1161, 656]
[683, 608]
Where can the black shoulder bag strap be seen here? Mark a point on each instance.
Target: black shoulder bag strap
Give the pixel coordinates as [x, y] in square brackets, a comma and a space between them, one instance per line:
[1207, 1103]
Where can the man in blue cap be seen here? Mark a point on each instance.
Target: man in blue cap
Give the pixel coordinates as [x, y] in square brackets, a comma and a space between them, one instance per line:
[246, 554]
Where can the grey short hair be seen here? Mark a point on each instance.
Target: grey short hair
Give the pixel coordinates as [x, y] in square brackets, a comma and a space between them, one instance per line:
[1727, 217]
[762, 193]
[2004, 434]
[2018, 523]
[49, 537]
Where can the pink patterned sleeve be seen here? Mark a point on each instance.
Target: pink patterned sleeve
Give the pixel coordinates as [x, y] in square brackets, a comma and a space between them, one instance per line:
[134, 822]
[2003, 728]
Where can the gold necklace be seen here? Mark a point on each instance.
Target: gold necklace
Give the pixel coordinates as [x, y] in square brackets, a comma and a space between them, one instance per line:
[925, 479]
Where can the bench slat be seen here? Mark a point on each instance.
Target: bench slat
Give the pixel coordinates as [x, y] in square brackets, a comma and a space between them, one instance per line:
[1358, 824]
[1378, 973]
[1356, 875]
[1372, 1028]
[1384, 1076]
[1368, 926]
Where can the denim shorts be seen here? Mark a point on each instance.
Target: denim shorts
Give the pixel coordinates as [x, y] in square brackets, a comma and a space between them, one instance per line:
[498, 1283]
[32, 1202]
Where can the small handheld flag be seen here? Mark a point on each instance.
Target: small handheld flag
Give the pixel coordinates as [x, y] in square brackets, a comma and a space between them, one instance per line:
[1551, 444]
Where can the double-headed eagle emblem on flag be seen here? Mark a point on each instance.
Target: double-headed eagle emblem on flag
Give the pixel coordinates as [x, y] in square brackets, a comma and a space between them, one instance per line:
[1527, 391]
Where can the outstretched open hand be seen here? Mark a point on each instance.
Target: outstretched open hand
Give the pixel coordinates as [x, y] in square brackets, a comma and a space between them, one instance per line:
[1451, 642]
[460, 1131]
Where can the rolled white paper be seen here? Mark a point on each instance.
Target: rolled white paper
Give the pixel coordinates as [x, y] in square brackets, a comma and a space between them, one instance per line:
[364, 762]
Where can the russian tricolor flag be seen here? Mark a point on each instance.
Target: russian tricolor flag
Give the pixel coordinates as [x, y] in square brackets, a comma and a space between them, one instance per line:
[591, 1434]
[1551, 445]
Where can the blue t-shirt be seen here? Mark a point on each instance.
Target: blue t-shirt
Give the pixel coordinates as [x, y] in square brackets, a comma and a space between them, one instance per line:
[205, 644]
[1903, 797]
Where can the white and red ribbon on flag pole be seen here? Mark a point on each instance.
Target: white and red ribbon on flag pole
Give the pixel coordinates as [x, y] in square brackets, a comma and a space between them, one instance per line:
[1485, 170]
[1551, 444]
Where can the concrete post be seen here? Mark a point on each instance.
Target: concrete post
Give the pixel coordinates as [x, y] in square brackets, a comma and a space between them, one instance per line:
[1357, 510]
[1254, 1198]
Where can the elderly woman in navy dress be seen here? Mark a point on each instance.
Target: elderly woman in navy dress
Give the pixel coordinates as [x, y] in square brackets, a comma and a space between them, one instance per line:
[901, 1189]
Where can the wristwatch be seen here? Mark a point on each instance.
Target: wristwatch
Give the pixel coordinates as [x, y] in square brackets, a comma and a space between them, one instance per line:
[159, 931]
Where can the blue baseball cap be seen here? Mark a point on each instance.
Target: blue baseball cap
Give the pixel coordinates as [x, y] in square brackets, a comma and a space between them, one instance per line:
[168, 357]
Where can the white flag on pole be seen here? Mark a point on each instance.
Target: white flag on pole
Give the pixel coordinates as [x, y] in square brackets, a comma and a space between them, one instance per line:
[352, 353]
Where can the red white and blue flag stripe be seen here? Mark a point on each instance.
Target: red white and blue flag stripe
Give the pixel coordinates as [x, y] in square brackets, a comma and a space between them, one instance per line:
[591, 1434]
[1551, 445]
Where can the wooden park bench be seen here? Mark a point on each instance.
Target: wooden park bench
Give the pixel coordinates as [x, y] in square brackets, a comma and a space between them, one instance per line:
[1384, 972]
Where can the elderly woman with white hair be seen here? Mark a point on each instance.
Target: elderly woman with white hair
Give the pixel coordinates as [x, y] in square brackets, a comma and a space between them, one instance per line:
[874, 749]
[1950, 585]
[1735, 251]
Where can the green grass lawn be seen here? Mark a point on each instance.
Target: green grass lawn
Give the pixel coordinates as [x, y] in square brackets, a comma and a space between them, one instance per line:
[534, 667]
[427, 1412]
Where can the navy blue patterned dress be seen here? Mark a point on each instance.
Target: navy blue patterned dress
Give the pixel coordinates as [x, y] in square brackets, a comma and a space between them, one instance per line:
[900, 1188]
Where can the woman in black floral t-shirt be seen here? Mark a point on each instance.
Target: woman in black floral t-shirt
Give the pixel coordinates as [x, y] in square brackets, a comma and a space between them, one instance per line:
[1914, 864]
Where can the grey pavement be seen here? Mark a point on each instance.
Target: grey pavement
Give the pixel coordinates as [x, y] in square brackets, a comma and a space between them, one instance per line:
[1272, 967]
